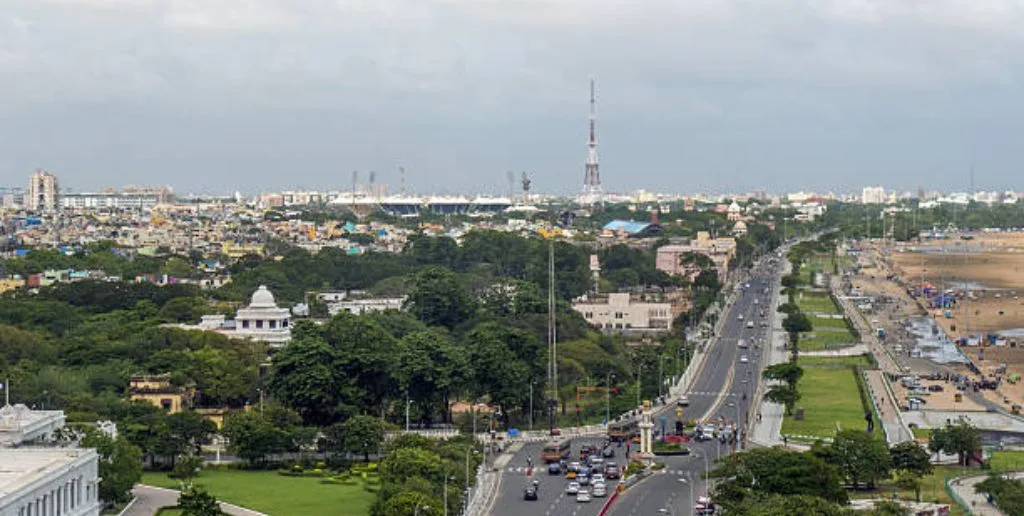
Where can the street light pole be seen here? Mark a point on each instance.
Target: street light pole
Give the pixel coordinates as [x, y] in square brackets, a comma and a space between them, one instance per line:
[408, 402]
[693, 501]
[639, 372]
[661, 374]
[608, 398]
[531, 405]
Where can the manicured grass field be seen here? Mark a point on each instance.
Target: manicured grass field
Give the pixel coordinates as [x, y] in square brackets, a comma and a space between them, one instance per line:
[822, 340]
[820, 303]
[861, 360]
[268, 492]
[828, 395]
[828, 322]
[1008, 460]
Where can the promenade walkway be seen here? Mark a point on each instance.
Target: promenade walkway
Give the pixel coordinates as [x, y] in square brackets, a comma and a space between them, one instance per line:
[978, 502]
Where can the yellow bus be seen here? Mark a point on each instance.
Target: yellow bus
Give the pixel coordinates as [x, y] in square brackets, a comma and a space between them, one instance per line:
[621, 431]
[555, 451]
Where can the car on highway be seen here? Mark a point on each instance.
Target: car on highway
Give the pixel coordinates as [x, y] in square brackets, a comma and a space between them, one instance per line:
[683, 401]
[608, 452]
[554, 468]
[612, 471]
[744, 359]
[582, 497]
[530, 493]
[740, 317]
[597, 463]
[597, 478]
[599, 490]
[572, 488]
[750, 325]
[574, 467]
[584, 480]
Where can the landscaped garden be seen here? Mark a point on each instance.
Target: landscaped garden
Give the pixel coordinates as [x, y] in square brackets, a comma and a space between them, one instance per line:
[816, 303]
[826, 339]
[272, 493]
[829, 399]
[835, 362]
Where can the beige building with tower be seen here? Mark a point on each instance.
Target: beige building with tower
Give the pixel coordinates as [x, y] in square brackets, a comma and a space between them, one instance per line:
[43, 192]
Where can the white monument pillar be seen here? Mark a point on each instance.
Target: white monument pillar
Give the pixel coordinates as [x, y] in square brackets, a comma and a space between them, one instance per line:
[646, 426]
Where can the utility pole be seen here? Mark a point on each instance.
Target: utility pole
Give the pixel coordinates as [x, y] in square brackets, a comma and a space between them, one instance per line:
[552, 338]
[608, 398]
[639, 372]
[408, 403]
[531, 405]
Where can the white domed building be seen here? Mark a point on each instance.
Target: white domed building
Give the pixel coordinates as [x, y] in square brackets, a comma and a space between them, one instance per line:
[262, 320]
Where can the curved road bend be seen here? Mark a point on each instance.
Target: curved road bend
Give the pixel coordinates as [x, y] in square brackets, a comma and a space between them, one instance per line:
[717, 391]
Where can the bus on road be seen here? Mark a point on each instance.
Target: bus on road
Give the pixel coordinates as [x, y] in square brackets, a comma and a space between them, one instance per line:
[621, 431]
[557, 450]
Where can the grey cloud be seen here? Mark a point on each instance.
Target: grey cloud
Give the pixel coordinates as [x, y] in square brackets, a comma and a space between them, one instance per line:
[709, 93]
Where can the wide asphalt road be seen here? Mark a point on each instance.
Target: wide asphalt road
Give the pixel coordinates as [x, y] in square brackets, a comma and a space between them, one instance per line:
[718, 391]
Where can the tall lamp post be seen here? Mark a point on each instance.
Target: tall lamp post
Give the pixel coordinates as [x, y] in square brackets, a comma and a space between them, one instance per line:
[408, 403]
[608, 398]
[693, 501]
[639, 386]
[531, 405]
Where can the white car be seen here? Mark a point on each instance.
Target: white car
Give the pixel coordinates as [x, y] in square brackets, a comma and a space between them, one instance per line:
[583, 497]
[572, 488]
[683, 401]
[596, 478]
[744, 359]
[600, 490]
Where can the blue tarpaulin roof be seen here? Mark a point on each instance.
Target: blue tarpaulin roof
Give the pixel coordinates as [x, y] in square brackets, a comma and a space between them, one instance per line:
[628, 226]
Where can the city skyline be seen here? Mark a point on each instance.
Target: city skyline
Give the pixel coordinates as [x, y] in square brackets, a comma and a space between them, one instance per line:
[717, 97]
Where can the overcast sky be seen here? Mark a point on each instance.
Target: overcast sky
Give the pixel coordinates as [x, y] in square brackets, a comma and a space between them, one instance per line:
[693, 95]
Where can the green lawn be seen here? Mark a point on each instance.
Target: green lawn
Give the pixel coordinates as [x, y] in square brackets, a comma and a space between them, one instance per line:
[829, 395]
[169, 511]
[828, 322]
[822, 340]
[861, 360]
[819, 303]
[1008, 460]
[277, 495]
[921, 433]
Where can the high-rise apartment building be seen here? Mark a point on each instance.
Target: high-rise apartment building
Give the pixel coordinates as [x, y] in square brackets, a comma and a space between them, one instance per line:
[873, 195]
[43, 192]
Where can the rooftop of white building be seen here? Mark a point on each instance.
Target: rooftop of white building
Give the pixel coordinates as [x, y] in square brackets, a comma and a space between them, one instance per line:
[19, 423]
[20, 467]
